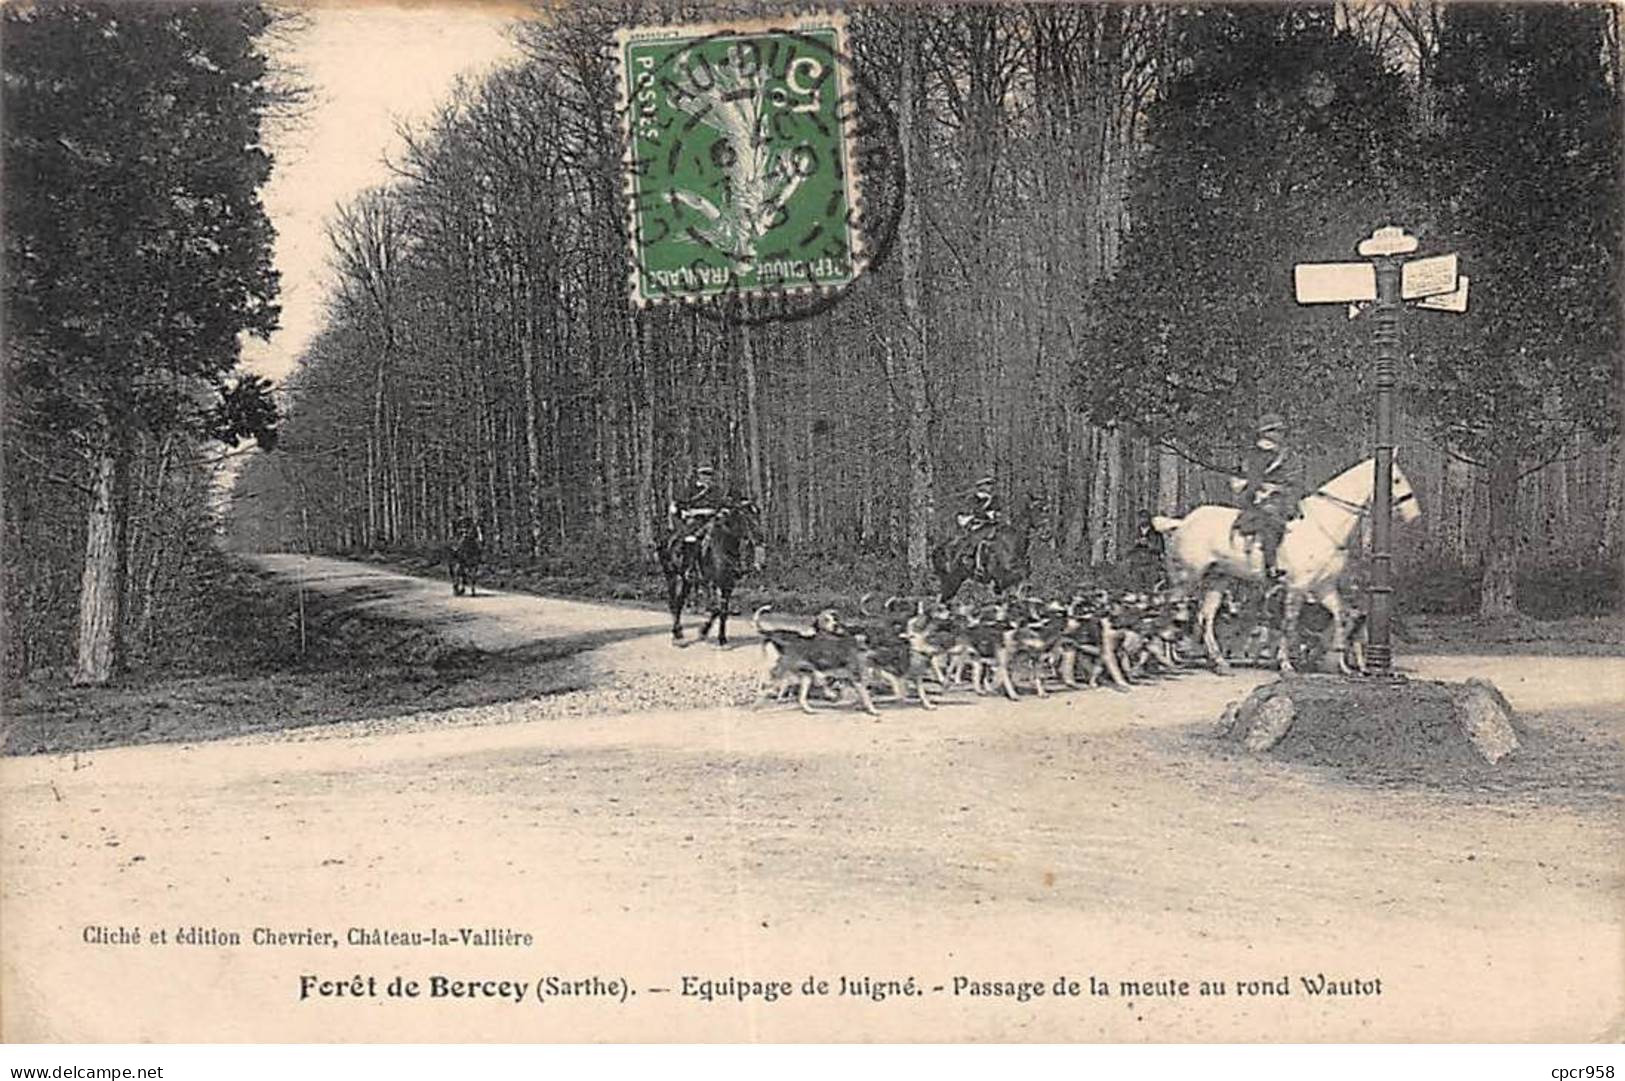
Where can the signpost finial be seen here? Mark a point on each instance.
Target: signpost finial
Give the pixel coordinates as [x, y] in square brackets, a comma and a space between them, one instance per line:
[1388, 240]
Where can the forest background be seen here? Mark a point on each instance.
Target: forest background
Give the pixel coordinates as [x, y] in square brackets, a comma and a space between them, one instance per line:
[1088, 296]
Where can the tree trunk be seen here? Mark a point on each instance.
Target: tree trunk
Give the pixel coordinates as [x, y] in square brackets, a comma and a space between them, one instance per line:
[753, 420]
[1498, 595]
[1609, 540]
[643, 415]
[921, 473]
[533, 421]
[1167, 481]
[1099, 490]
[101, 586]
[1109, 526]
[155, 558]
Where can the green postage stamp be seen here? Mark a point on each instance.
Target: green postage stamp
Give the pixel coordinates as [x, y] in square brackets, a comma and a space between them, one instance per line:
[740, 169]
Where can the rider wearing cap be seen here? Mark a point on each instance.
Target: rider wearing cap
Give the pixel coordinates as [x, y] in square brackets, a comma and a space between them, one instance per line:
[1267, 494]
[985, 511]
[697, 504]
[466, 530]
[983, 518]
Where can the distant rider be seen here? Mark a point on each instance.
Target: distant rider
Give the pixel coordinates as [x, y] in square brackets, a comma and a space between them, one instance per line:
[1266, 490]
[1146, 537]
[467, 536]
[1146, 557]
[981, 522]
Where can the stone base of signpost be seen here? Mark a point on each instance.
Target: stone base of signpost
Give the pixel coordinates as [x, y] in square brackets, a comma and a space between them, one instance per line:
[1352, 723]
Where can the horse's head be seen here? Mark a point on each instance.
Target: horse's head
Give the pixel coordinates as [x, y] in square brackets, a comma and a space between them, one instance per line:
[1405, 503]
[733, 526]
[1354, 485]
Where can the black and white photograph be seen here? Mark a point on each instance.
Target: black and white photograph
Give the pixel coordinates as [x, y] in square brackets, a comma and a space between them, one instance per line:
[646, 521]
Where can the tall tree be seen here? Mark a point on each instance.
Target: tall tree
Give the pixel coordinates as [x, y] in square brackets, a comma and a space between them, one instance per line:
[136, 245]
[921, 466]
[1527, 187]
[1280, 142]
[527, 389]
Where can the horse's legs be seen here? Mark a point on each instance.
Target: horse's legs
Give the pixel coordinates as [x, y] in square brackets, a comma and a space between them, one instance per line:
[724, 600]
[1289, 630]
[1210, 640]
[1333, 603]
[717, 613]
[676, 597]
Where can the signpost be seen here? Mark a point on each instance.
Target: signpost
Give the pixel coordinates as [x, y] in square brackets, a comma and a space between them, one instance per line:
[1427, 277]
[1448, 302]
[1334, 283]
[1433, 283]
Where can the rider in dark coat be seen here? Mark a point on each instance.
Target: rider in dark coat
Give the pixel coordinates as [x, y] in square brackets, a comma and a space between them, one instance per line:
[1267, 489]
[466, 535]
[1146, 536]
[982, 520]
[986, 512]
[697, 504]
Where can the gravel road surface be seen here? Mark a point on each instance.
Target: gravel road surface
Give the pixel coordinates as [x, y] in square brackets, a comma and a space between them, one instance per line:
[1089, 834]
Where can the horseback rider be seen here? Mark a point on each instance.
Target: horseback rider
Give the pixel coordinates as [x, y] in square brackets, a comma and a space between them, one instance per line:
[982, 521]
[696, 505]
[466, 534]
[1266, 491]
[1146, 537]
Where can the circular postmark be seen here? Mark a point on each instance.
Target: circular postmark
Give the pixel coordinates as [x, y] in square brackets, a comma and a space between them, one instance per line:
[763, 173]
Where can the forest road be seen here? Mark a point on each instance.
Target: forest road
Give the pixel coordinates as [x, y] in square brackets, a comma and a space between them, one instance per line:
[1100, 838]
[492, 621]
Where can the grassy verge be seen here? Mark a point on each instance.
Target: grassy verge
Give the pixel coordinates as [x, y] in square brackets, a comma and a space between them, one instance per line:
[249, 671]
[1572, 636]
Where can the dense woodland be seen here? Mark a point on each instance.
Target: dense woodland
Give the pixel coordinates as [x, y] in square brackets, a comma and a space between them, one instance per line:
[1088, 294]
[136, 252]
[1086, 291]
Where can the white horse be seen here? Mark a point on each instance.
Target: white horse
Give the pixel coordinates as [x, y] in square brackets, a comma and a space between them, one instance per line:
[1312, 558]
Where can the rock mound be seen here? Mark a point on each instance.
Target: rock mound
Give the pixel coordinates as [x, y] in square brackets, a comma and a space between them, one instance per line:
[1414, 727]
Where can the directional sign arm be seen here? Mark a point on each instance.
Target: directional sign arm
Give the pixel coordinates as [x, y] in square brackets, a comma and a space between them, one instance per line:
[1428, 277]
[1334, 283]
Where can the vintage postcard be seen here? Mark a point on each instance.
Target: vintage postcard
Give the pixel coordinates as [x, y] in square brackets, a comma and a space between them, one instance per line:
[599, 522]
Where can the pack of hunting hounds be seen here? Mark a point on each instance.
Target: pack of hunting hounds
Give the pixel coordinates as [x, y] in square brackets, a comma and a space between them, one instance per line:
[916, 647]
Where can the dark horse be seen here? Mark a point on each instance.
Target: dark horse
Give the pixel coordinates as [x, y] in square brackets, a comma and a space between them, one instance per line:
[1004, 561]
[463, 556]
[715, 563]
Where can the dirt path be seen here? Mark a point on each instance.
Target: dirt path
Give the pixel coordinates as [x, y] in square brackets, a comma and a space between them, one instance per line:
[1090, 834]
[492, 621]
